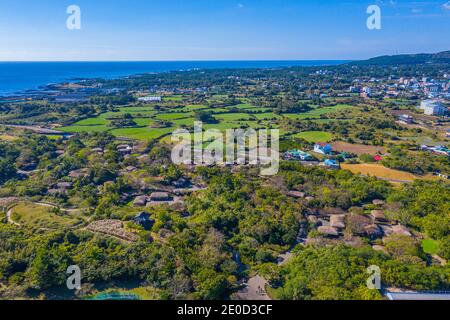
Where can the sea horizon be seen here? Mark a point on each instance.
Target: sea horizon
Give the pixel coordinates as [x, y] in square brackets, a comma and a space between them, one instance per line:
[17, 77]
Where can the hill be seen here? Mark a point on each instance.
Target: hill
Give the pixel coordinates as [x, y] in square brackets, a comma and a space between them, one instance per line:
[422, 58]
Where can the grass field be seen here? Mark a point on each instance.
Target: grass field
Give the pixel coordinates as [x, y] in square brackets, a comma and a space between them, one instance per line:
[43, 217]
[7, 137]
[232, 116]
[77, 128]
[146, 116]
[173, 98]
[173, 116]
[266, 115]
[144, 133]
[430, 246]
[317, 112]
[314, 136]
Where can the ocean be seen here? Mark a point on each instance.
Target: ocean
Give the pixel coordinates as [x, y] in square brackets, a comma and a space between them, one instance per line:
[17, 77]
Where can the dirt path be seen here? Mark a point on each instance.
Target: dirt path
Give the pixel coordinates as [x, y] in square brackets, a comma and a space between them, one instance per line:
[254, 290]
[9, 218]
[442, 261]
[44, 204]
[35, 129]
[11, 221]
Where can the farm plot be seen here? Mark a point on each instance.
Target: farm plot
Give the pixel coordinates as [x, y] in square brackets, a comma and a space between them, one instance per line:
[357, 148]
[380, 171]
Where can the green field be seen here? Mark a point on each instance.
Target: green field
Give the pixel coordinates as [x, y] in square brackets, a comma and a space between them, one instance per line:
[77, 128]
[92, 122]
[173, 98]
[266, 115]
[318, 112]
[146, 116]
[314, 136]
[145, 133]
[430, 246]
[232, 116]
[173, 116]
[43, 217]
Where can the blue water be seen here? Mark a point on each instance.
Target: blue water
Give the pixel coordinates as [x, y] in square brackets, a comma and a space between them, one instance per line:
[114, 296]
[17, 77]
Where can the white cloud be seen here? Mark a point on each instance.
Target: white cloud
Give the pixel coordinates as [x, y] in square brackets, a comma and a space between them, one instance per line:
[240, 5]
[446, 5]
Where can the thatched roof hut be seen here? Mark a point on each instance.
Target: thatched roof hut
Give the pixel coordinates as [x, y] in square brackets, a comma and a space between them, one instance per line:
[140, 201]
[328, 231]
[373, 231]
[312, 219]
[378, 216]
[380, 248]
[296, 194]
[337, 221]
[64, 185]
[357, 222]
[399, 229]
[378, 202]
[160, 196]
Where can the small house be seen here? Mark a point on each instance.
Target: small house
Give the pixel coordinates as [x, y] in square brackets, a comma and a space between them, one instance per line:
[56, 192]
[337, 221]
[160, 197]
[357, 223]
[378, 202]
[328, 231]
[181, 183]
[130, 168]
[323, 148]
[373, 231]
[182, 192]
[64, 185]
[399, 229]
[98, 150]
[298, 155]
[140, 201]
[78, 174]
[378, 216]
[377, 158]
[331, 163]
[125, 150]
[405, 119]
[296, 194]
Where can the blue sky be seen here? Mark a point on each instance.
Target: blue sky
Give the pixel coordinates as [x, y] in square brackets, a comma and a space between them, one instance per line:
[219, 29]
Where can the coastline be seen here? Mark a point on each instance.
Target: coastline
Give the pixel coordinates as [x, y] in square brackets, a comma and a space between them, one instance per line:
[22, 79]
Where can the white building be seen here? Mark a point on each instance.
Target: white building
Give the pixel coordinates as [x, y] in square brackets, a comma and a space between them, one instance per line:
[433, 108]
[150, 99]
